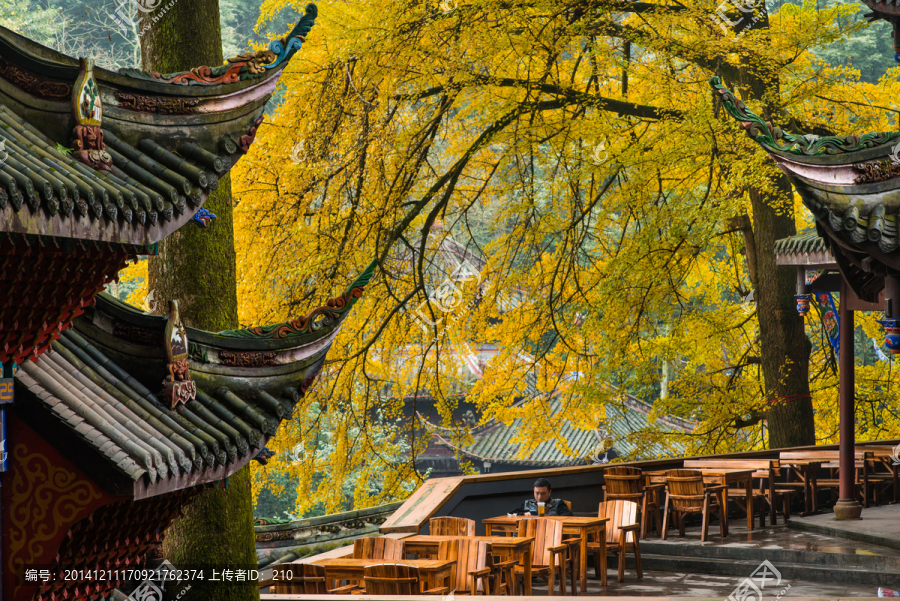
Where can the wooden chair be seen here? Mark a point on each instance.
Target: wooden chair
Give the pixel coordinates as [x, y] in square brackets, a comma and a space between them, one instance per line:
[474, 570]
[448, 526]
[300, 578]
[378, 547]
[770, 494]
[621, 536]
[396, 579]
[568, 504]
[625, 483]
[686, 494]
[551, 554]
[372, 547]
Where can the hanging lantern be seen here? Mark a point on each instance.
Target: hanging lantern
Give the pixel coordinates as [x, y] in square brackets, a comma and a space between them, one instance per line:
[802, 303]
[892, 339]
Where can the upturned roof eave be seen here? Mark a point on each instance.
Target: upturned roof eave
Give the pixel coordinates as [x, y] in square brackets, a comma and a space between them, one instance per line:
[57, 65]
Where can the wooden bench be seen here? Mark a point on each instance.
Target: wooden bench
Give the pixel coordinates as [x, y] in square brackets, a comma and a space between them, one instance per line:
[765, 469]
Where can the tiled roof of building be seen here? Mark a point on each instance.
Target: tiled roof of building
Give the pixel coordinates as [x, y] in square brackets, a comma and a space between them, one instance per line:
[97, 394]
[494, 443]
[628, 417]
[849, 183]
[805, 248]
[807, 241]
[147, 148]
[146, 152]
[625, 418]
[142, 193]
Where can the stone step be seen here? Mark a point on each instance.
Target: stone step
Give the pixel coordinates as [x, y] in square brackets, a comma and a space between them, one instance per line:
[741, 569]
[839, 561]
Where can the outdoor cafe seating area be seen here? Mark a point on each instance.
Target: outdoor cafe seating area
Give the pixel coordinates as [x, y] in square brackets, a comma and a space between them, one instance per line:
[637, 504]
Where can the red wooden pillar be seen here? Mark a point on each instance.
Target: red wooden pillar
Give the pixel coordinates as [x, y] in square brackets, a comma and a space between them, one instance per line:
[847, 507]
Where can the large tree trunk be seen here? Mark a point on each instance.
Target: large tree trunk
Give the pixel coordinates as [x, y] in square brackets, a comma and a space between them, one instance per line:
[784, 347]
[197, 268]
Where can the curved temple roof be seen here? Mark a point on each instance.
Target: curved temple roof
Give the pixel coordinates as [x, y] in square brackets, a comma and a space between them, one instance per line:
[148, 151]
[170, 138]
[97, 396]
[850, 183]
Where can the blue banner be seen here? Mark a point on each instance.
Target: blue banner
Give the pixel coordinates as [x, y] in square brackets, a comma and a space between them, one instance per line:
[830, 321]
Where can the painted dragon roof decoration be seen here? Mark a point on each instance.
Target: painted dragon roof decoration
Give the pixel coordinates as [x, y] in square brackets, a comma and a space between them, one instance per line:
[848, 181]
[146, 151]
[851, 184]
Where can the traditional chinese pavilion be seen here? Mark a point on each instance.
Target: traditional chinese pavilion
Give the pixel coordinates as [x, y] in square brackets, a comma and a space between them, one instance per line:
[112, 419]
[851, 184]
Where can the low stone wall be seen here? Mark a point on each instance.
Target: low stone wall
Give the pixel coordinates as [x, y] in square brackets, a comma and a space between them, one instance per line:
[274, 541]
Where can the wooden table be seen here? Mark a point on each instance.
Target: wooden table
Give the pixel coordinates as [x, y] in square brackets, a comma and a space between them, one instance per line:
[806, 469]
[885, 456]
[581, 526]
[509, 546]
[716, 476]
[435, 571]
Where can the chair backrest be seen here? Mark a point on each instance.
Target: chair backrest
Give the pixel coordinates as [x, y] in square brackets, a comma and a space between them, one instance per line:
[623, 482]
[378, 547]
[685, 483]
[301, 578]
[568, 504]
[469, 554]
[392, 579]
[546, 533]
[619, 513]
[449, 526]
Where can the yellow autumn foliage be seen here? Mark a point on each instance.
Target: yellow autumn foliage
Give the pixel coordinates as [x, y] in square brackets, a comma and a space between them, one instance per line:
[602, 214]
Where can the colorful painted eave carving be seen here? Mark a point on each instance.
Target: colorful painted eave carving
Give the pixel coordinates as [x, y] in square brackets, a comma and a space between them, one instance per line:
[849, 183]
[774, 139]
[244, 67]
[334, 310]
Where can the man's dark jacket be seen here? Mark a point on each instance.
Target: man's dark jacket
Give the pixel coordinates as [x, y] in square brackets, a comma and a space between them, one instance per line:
[551, 507]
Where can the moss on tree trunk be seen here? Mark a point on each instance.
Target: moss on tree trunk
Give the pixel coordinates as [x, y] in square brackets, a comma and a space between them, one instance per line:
[197, 268]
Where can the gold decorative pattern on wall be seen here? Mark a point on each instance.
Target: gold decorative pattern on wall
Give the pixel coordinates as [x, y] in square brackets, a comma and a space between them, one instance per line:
[45, 500]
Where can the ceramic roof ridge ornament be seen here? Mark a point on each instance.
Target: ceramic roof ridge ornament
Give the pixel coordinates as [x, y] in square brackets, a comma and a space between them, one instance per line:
[87, 109]
[178, 386]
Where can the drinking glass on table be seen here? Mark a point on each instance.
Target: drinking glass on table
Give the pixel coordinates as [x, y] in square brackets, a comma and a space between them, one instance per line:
[540, 509]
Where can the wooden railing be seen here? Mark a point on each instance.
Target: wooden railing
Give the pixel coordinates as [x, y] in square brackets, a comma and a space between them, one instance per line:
[486, 495]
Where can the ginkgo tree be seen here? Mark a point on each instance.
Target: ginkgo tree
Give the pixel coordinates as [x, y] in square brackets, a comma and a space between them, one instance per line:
[623, 219]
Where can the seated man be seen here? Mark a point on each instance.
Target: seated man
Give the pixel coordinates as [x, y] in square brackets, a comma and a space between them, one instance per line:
[542, 492]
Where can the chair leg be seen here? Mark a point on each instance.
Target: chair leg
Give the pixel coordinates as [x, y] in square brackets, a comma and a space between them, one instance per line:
[573, 576]
[786, 499]
[644, 516]
[637, 559]
[620, 558]
[657, 523]
[704, 530]
[763, 509]
[596, 564]
[681, 516]
[665, 524]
